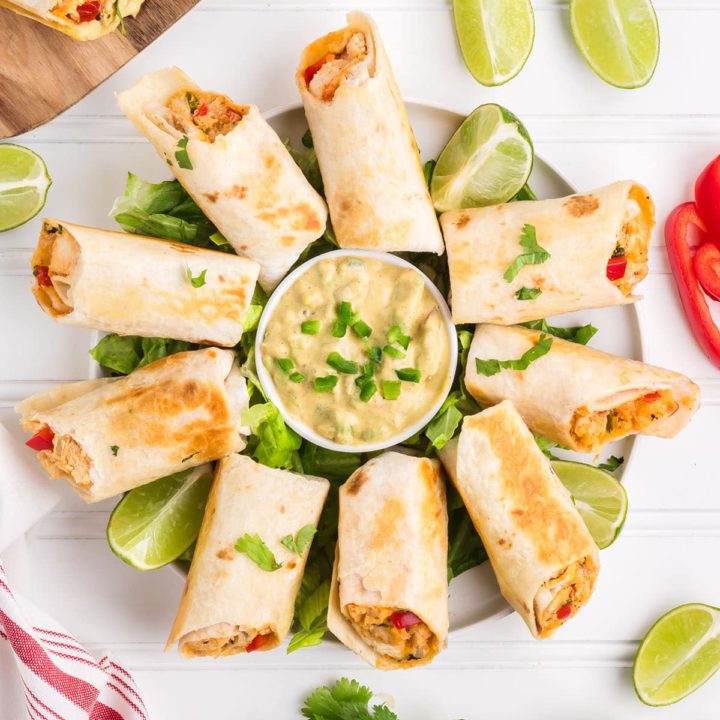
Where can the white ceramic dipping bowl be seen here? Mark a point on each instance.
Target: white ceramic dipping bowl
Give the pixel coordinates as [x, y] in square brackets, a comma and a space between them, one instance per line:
[297, 423]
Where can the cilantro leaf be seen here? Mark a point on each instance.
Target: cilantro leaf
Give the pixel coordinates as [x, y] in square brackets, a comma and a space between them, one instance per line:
[534, 254]
[493, 367]
[580, 334]
[254, 547]
[199, 281]
[612, 463]
[301, 540]
[114, 449]
[526, 293]
[345, 700]
[182, 157]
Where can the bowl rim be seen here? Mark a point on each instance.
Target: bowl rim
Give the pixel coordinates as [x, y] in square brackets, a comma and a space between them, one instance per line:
[268, 386]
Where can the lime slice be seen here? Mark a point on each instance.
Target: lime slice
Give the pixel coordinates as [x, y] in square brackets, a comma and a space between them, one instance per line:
[600, 499]
[24, 182]
[495, 36]
[679, 654]
[487, 161]
[156, 523]
[619, 39]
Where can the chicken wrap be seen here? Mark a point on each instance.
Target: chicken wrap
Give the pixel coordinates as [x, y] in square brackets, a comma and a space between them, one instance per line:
[389, 593]
[111, 435]
[579, 397]
[366, 149]
[233, 603]
[543, 555]
[528, 260]
[79, 19]
[233, 165]
[133, 285]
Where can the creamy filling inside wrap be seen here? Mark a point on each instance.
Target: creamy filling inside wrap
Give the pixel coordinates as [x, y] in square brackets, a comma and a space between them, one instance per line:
[344, 61]
[54, 262]
[82, 11]
[196, 112]
[223, 639]
[593, 427]
[392, 632]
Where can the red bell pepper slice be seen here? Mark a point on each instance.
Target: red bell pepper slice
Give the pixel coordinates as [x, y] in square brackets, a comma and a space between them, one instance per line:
[42, 275]
[41, 440]
[88, 11]
[312, 70]
[707, 268]
[258, 642]
[616, 267]
[691, 295]
[402, 620]
[564, 612]
[707, 198]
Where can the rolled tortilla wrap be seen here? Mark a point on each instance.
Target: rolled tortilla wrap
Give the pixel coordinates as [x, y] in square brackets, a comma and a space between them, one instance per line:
[134, 285]
[577, 396]
[581, 232]
[230, 604]
[63, 15]
[543, 555]
[115, 435]
[242, 175]
[389, 594]
[368, 157]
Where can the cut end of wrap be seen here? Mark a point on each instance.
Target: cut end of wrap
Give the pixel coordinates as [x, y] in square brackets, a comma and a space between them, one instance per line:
[53, 265]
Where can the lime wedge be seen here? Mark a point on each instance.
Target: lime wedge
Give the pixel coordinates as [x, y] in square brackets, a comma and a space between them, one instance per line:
[679, 654]
[24, 182]
[495, 36]
[156, 523]
[600, 499]
[619, 39]
[487, 161]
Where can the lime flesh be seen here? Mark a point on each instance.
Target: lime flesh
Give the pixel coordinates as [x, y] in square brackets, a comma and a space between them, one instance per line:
[156, 523]
[495, 36]
[24, 182]
[600, 499]
[679, 654]
[619, 39]
[487, 161]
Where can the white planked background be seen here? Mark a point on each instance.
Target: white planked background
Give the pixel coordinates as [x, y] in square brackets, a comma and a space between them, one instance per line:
[668, 554]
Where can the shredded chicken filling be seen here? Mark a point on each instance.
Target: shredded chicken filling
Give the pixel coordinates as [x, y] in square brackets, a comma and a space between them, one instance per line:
[590, 428]
[54, 264]
[561, 597]
[633, 240]
[337, 67]
[221, 639]
[207, 112]
[68, 9]
[68, 459]
[375, 627]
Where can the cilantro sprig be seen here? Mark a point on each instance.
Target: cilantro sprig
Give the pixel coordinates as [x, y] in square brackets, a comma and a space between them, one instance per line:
[580, 334]
[533, 255]
[196, 281]
[255, 548]
[302, 539]
[345, 700]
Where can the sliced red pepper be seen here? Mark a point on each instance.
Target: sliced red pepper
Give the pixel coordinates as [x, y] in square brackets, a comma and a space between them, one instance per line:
[202, 110]
[564, 612]
[41, 440]
[706, 265]
[616, 267]
[693, 298]
[42, 273]
[404, 619]
[312, 70]
[652, 396]
[88, 11]
[258, 642]
[707, 198]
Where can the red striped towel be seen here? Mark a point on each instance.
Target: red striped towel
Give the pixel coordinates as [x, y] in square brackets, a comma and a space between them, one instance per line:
[61, 680]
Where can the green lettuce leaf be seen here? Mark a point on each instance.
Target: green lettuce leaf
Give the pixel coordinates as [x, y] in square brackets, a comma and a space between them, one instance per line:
[124, 353]
[272, 442]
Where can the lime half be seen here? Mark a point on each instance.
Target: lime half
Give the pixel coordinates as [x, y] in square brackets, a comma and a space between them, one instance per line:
[619, 39]
[680, 653]
[487, 161]
[24, 182]
[495, 36]
[600, 499]
[156, 523]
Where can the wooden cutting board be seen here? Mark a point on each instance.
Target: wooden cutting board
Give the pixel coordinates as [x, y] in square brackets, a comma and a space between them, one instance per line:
[43, 71]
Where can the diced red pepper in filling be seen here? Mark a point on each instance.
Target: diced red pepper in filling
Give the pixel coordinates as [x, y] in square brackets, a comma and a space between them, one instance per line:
[312, 70]
[616, 267]
[706, 265]
[41, 440]
[259, 641]
[652, 396]
[402, 620]
[42, 274]
[88, 11]
[202, 110]
[564, 612]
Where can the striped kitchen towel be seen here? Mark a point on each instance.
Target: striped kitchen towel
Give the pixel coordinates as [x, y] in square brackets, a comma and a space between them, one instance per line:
[61, 680]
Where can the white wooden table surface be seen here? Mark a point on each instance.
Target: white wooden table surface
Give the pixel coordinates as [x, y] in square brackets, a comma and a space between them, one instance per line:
[669, 551]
